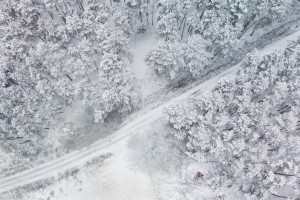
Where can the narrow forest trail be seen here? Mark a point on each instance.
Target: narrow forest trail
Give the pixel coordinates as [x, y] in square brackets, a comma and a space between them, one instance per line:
[78, 158]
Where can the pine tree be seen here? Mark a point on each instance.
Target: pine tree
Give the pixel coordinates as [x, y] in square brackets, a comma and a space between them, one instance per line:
[247, 127]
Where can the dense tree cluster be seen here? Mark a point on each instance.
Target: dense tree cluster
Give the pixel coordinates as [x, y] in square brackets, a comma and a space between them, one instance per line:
[248, 128]
[178, 60]
[58, 52]
[220, 23]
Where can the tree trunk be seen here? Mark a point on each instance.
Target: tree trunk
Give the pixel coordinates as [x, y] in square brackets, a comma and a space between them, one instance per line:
[182, 20]
[248, 21]
[153, 13]
[201, 16]
[257, 25]
[204, 28]
[140, 12]
[190, 29]
[67, 75]
[147, 14]
[183, 29]
[250, 27]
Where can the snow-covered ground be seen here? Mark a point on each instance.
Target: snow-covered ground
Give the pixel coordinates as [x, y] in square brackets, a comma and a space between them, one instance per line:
[118, 178]
[148, 83]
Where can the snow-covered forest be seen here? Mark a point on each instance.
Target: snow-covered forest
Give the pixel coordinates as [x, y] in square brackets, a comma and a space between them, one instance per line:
[198, 97]
[248, 127]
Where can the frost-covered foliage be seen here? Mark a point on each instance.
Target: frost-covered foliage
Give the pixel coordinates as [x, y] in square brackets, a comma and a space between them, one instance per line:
[173, 19]
[248, 128]
[56, 52]
[221, 24]
[178, 60]
[117, 80]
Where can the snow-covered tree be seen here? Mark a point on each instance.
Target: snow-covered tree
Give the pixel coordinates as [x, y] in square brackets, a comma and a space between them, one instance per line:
[114, 75]
[57, 53]
[248, 127]
[196, 55]
[167, 59]
[177, 60]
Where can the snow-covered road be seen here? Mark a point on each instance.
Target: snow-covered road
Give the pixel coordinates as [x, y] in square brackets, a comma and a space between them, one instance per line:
[77, 158]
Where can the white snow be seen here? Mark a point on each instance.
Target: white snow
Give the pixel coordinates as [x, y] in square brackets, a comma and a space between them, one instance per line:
[140, 45]
[114, 181]
[119, 181]
[77, 114]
